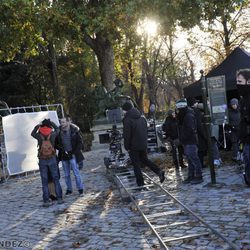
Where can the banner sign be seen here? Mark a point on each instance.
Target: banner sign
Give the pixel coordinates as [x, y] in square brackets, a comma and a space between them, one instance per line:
[216, 87]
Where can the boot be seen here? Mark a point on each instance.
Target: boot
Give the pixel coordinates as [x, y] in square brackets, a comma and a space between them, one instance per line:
[197, 180]
[162, 176]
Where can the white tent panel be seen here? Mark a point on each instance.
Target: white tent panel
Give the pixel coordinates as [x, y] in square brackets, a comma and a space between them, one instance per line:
[21, 147]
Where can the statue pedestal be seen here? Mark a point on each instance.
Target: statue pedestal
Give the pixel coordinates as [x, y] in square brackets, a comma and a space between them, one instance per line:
[114, 115]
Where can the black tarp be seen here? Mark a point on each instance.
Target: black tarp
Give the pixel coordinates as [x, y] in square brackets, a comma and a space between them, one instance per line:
[238, 59]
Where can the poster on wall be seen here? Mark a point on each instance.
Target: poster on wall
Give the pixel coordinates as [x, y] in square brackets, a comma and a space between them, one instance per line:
[21, 147]
[216, 87]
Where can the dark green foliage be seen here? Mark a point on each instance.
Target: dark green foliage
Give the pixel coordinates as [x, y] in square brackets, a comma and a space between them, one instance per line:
[15, 84]
[81, 105]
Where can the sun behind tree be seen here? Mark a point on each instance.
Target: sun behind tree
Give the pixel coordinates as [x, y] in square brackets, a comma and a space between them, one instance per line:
[148, 27]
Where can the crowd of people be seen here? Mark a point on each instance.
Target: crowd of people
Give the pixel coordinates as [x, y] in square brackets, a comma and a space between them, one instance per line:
[55, 144]
[185, 130]
[183, 126]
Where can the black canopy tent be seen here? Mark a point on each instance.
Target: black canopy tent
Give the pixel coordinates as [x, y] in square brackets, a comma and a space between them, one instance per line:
[238, 59]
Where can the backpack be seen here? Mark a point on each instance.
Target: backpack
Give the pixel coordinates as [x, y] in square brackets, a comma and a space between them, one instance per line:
[46, 150]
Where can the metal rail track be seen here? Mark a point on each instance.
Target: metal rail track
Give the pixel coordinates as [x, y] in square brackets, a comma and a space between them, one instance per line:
[161, 211]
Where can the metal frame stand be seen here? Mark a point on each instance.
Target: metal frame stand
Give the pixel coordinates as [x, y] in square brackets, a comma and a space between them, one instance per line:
[10, 111]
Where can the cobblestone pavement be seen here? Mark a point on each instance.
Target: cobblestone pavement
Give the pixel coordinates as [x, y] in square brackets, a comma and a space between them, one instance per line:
[225, 205]
[100, 220]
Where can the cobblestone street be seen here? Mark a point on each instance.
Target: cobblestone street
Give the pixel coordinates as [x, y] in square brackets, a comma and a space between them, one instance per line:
[100, 220]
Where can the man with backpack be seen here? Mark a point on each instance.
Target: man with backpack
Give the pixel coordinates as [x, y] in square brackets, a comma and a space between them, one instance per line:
[46, 133]
[70, 146]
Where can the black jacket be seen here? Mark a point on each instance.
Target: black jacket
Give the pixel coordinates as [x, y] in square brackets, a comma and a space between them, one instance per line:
[76, 143]
[135, 131]
[244, 131]
[202, 136]
[234, 118]
[170, 127]
[187, 126]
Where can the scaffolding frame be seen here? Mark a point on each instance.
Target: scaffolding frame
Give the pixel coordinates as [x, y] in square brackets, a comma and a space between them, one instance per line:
[10, 111]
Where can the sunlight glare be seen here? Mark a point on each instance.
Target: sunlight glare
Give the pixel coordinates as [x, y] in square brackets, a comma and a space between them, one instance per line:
[147, 26]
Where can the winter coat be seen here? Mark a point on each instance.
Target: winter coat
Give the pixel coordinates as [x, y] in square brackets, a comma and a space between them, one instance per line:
[202, 137]
[187, 127]
[76, 143]
[234, 119]
[135, 131]
[170, 127]
[244, 131]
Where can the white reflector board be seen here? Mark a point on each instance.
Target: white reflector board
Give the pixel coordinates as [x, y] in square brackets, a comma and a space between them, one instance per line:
[21, 147]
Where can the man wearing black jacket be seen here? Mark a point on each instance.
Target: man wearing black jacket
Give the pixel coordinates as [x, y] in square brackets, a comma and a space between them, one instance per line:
[135, 142]
[189, 138]
[202, 137]
[243, 85]
[170, 127]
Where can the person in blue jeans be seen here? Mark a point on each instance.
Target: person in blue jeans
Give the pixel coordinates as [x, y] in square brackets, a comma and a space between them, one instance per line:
[46, 133]
[70, 153]
[187, 125]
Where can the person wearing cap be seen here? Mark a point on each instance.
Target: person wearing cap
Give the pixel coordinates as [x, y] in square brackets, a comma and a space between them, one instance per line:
[243, 86]
[189, 138]
[135, 135]
[47, 130]
[233, 127]
[202, 138]
[170, 127]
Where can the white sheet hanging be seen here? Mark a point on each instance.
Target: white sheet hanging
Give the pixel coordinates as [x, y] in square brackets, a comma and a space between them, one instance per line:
[21, 147]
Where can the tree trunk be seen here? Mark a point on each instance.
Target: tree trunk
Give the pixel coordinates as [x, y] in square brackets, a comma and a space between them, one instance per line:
[105, 55]
[227, 44]
[53, 70]
[191, 63]
[138, 96]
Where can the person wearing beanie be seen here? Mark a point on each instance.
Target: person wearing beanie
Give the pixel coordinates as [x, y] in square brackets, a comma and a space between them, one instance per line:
[243, 86]
[45, 133]
[234, 101]
[170, 127]
[135, 135]
[127, 106]
[187, 125]
[233, 127]
[182, 103]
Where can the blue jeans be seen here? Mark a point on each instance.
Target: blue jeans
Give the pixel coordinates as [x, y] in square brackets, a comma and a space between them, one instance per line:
[246, 157]
[194, 164]
[45, 166]
[67, 166]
